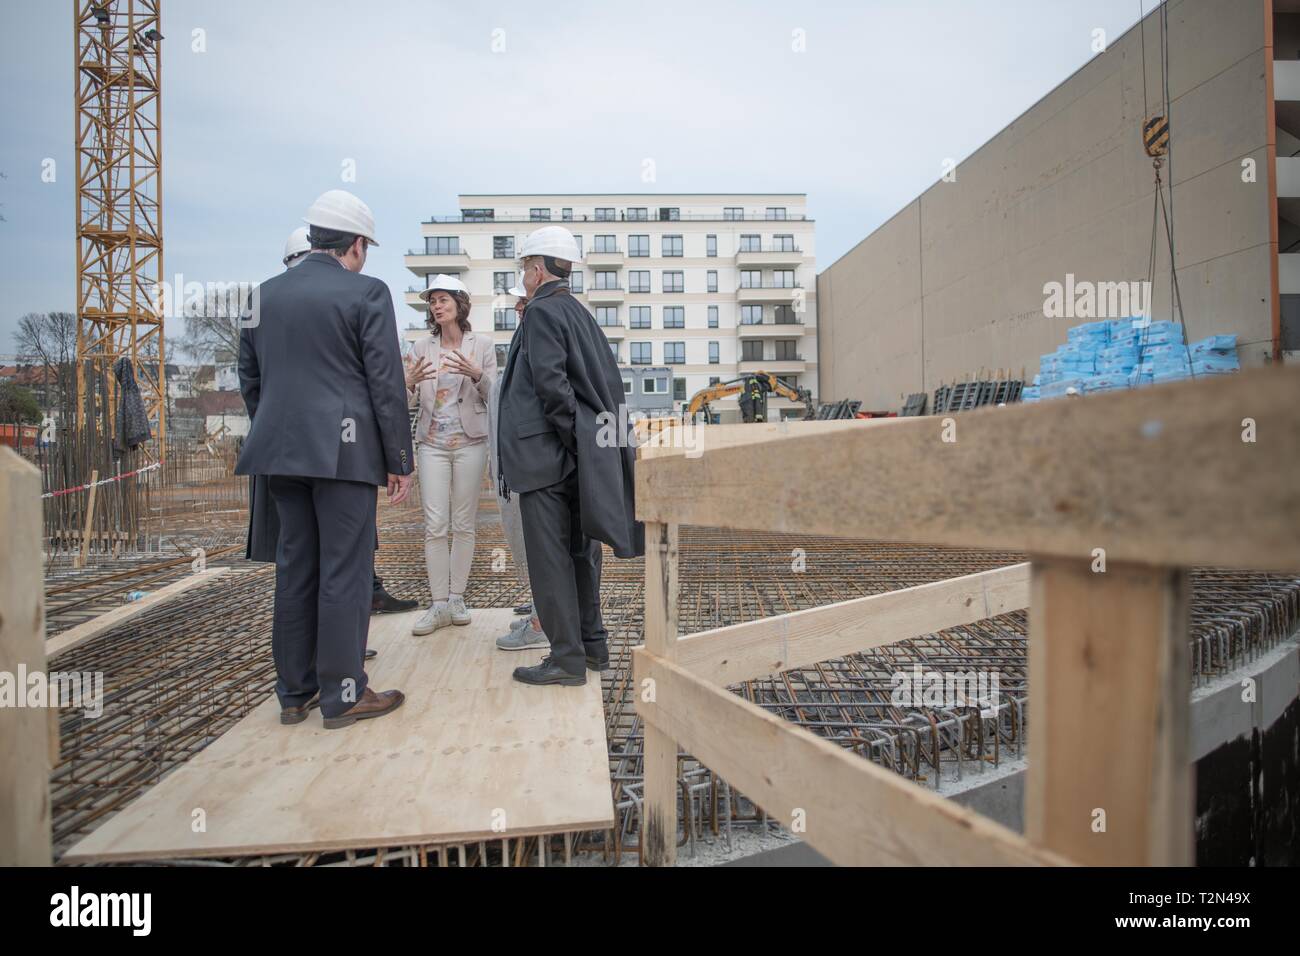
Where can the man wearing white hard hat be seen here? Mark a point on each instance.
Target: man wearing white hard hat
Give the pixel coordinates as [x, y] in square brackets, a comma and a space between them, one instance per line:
[321, 372]
[451, 444]
[296, 246]
[565, 445]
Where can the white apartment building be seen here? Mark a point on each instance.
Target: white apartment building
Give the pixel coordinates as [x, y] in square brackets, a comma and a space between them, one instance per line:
[710, 285]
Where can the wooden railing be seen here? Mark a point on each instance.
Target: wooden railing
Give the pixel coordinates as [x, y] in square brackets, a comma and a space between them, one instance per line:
[1113, 496]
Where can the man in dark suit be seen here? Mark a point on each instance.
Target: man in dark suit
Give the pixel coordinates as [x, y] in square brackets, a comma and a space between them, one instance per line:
[321, 373]
[565, 446]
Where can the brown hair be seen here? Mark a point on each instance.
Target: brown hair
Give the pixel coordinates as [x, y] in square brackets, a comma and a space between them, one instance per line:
[462, 312]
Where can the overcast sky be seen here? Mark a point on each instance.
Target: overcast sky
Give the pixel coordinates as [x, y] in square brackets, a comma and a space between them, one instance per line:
[287, 90]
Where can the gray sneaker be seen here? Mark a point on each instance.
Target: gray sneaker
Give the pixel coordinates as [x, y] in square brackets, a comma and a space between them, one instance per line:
[439, 615]
[522, 637]
[459, 613]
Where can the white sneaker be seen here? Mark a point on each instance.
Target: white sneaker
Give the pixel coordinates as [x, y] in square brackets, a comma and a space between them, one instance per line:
[459, 613]
[435, 617]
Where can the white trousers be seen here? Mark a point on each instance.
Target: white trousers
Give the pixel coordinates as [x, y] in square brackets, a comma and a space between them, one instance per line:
[450, 481]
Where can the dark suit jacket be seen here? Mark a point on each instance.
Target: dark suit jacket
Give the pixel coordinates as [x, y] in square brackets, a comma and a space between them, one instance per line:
[560, 376]
[321, 372]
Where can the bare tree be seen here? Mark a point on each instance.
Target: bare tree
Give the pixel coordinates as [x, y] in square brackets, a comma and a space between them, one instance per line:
[212, 325]
[49, 339]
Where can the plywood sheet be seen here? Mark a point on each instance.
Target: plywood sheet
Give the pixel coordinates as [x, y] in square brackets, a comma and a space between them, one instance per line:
[471, 755]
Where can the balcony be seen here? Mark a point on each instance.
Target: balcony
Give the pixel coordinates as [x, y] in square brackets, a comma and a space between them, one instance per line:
[605, 296]
[432, 263]
[770, 256]
[614, 331]
[767, 329]
[413, 299]
[785, 366]
[607, 257]
[780, 295]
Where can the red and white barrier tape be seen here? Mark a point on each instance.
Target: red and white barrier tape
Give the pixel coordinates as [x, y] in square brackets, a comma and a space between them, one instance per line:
[102, 481]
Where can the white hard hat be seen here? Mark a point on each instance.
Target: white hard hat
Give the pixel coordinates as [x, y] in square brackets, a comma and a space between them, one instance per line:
[296, 244]
[339, 209]
[517, 292]
[554, 241]
[445, 283]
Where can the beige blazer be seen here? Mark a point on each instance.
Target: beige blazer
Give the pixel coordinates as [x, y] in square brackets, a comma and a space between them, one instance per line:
[472, 398]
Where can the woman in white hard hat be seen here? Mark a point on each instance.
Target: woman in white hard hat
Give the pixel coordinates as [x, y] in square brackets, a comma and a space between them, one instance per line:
[451, 444]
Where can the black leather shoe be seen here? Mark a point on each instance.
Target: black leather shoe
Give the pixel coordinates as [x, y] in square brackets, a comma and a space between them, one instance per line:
[296, 715]
[548, 672]
[385, 603]
[370, 654]
[598, 663]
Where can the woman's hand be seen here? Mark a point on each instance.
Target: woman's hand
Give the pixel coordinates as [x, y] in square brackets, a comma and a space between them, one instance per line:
[420, 371]
[456, 362]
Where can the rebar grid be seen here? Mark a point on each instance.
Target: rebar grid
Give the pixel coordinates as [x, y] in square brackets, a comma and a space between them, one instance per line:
[182, 674]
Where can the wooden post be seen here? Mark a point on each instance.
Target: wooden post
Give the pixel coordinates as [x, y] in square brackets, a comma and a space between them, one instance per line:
[659, 807]
[1110, 776]
[24, 730]
[90, 519]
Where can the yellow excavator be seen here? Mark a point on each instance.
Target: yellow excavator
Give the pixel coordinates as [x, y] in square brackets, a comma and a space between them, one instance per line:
[753, 390]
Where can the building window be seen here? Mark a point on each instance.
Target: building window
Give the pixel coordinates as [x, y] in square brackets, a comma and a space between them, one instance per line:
[640, 316]
[478, 215]
[674, 317]
[575, 281]
[641, 354]
[775, 212]
[784, 315]
[503, 320]
[503, 352]
[674, 353]
[503, 247]
[607, 316]
[502, 281]
[750, 243]
[714, 380]
[627, 383]
[539, 214]
[613, 348]
[638, 280]
[638, 246]
[679, 390]
[567, 213]
[441, 245]
[713, 316]
[783, 243]
[606, 244]
[712, 281]
[670, 213]
[672, 245]
[751, 350]
[751, 279]
[711, 246]
[606, 279]
[786, 349]
[654, 386]
[638, 214]
[733, 213]
[783, 279]
[714, 357]
[604, 214]
[673, 281]
[751, 315]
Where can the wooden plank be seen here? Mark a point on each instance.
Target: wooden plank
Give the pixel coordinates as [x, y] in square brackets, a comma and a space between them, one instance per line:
[740, 652]
[471, 755]
[659, 823]
[74, 636]
[24, 730]
[1158, 475]
[1109, 708]
[850, 810]
[675, 439]
[90, 519]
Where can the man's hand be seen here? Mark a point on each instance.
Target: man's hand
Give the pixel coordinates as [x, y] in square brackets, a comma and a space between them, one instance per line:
[399, 486]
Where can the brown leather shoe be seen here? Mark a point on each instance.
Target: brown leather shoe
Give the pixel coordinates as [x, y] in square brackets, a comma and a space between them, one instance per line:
[370, 705]
[296, 715]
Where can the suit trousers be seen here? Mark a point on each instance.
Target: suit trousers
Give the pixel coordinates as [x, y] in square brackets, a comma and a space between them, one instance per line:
[324, 571]
[564, 568]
